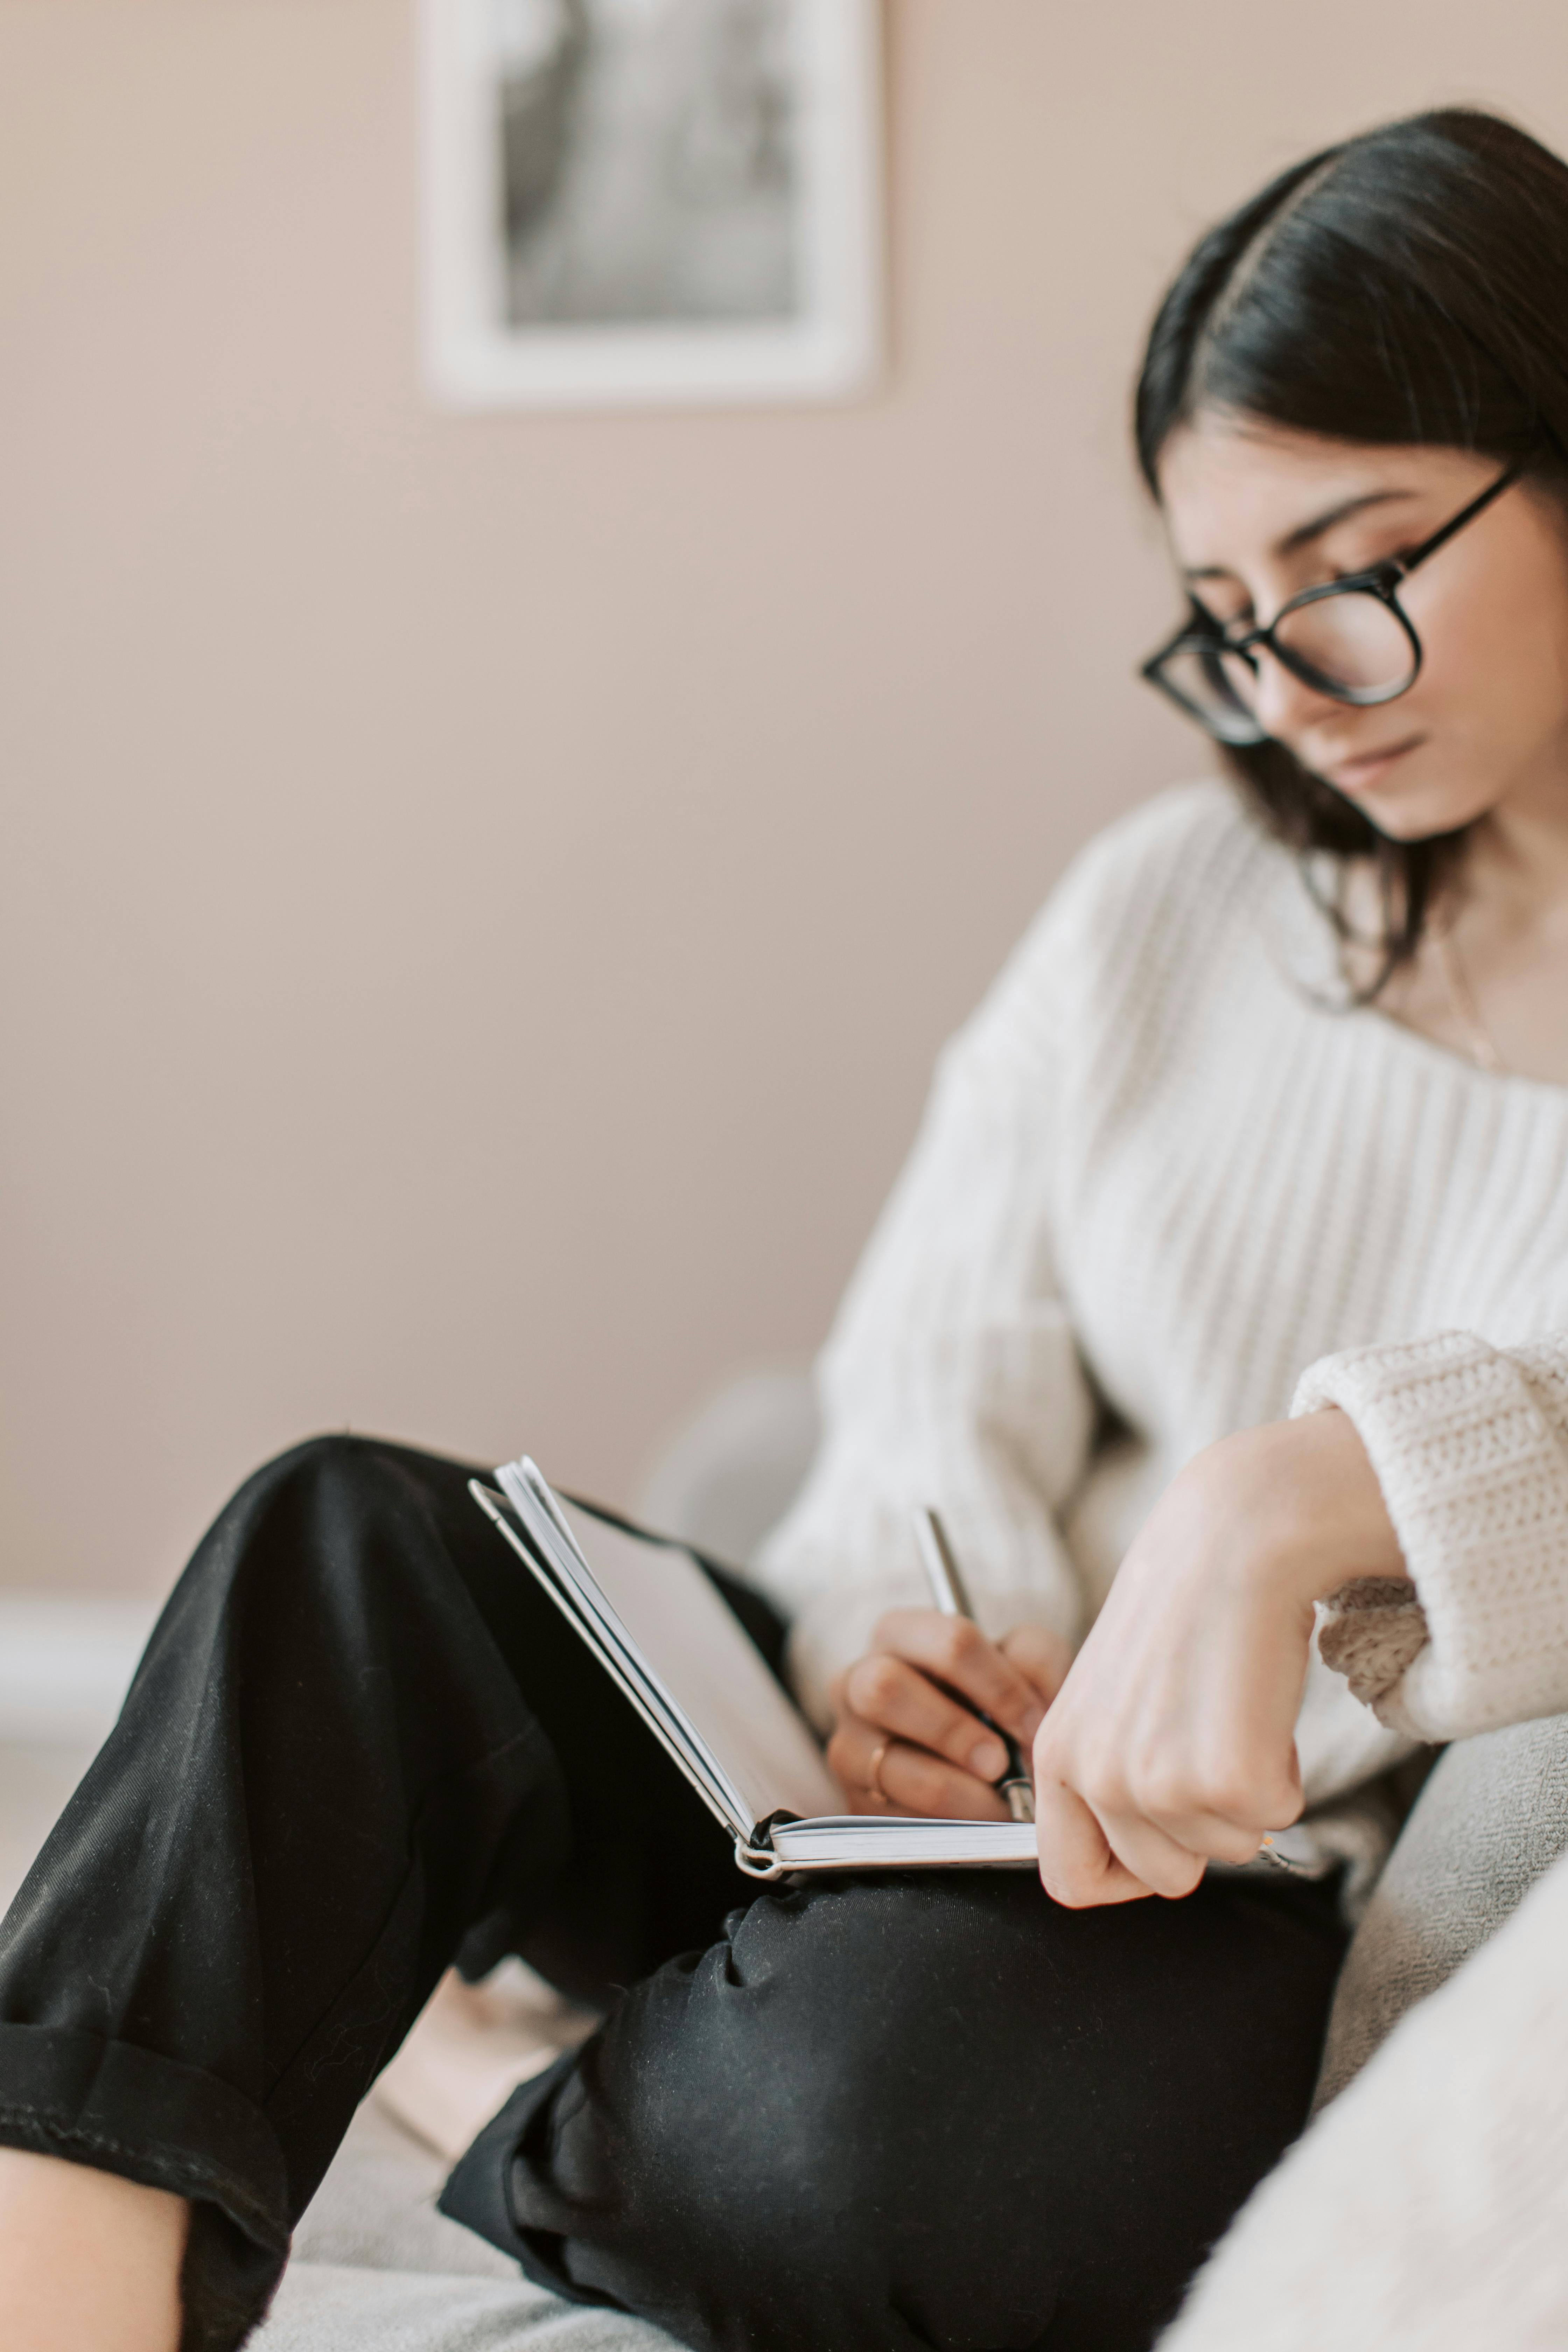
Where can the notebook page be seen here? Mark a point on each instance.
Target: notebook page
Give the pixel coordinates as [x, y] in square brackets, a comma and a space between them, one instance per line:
[549, 1555]
[705, 1661]
[880, 1842]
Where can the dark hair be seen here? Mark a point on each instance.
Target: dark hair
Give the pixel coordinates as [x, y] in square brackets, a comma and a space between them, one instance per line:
[1408, 286]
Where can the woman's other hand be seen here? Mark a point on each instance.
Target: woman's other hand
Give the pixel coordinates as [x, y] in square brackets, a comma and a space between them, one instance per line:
[905, 1742]
[1172, 1742]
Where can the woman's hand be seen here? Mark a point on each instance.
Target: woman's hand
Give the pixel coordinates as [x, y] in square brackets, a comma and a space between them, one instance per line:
[904, 1742]
[1172, 1742]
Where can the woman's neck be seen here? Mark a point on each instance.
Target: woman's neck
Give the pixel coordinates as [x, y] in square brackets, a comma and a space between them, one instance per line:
[1490, 981]
[1515, 875]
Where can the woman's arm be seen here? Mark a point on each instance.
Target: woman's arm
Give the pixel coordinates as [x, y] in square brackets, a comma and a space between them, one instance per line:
[1429, 1478]
[952, 1376]
[1173, 1740]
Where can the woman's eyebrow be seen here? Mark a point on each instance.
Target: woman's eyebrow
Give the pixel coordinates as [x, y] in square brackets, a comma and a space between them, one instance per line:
[1305, 533]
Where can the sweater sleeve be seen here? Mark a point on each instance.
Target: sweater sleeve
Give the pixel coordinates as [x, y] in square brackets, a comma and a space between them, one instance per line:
[951, 1376]
[1469, 1443]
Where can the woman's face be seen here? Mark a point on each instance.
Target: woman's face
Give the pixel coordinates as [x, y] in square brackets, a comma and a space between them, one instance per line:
[1257, 514]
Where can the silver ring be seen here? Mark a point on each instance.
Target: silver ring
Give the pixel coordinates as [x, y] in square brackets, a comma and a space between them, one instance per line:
[874, 1779]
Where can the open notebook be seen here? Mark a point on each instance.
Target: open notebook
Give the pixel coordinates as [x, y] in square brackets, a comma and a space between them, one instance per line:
[664, 1632]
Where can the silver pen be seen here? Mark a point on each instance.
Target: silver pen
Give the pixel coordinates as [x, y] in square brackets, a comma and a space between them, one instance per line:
[951, 1596]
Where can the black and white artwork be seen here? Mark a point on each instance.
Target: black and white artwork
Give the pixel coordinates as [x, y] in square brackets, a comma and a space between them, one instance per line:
[650, 200]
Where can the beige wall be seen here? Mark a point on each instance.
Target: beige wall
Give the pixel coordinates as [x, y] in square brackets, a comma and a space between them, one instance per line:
[481, 895]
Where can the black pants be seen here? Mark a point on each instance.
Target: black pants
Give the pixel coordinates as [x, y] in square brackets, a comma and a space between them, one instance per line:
[841, 2116]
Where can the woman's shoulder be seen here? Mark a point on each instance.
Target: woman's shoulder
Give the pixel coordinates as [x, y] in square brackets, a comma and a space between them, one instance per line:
[1171, 885]
[1185, 848]
[1181, 871]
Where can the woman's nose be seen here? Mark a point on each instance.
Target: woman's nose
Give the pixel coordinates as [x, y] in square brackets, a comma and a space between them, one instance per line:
[1284, 706]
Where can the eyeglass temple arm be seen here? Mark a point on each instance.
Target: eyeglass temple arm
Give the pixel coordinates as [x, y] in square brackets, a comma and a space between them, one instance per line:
[1405, 565]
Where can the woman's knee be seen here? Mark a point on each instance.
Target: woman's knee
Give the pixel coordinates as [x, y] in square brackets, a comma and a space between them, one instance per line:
[762, 2147]
[326, 1486]
[824, 2129]
[320, 1531]
[327, 1612]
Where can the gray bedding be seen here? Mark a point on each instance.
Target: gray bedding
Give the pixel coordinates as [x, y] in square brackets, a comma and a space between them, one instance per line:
[378, 2269]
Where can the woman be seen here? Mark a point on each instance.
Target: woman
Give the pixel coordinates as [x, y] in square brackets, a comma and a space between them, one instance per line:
[1273, 1103]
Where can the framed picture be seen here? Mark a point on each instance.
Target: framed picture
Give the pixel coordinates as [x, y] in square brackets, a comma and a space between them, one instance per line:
[650, 201]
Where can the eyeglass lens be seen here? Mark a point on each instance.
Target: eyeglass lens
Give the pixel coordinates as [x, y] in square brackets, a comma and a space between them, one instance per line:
[1351, 645]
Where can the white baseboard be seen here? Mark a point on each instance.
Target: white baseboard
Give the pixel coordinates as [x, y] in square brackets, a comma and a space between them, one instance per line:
[65, 1663]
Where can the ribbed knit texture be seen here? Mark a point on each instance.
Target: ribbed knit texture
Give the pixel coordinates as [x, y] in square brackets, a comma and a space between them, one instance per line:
[1470, 1447]
[1162, 1173]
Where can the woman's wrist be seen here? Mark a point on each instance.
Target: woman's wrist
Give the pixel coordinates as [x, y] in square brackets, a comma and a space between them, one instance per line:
[1313, 1516]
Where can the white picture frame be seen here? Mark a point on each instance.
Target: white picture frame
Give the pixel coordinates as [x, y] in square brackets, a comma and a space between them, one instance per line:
[821, 339]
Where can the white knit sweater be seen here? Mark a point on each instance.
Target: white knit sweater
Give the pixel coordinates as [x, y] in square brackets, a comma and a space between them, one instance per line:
[1166, 1186]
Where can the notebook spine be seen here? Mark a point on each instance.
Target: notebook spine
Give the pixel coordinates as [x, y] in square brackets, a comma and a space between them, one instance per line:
[755, 1854]
[757, 1861]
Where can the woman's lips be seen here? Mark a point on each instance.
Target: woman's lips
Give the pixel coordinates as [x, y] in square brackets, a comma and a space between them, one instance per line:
[1367, 767]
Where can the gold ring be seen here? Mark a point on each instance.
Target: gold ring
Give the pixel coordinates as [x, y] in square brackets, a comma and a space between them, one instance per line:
[874, 1778]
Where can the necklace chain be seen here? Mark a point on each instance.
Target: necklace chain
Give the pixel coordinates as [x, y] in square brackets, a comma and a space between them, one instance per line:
[1479, 1038]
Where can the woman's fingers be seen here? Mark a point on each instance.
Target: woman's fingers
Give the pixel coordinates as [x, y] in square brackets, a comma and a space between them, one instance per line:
[1041, 1656]
[1078, 1868]
[958, 1654]
[907, 1739]
[854, 1764]
[1207, 1812]
[1158, 1862]
[884, 1690]
[918, 1782]
[1087, 1857]
[879, 1773]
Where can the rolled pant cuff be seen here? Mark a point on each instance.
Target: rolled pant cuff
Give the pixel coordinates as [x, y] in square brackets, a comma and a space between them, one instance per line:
[481, 2192]
[168, 2125]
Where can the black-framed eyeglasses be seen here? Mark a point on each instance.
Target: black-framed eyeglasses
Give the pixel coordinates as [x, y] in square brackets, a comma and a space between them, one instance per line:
[1349, 638]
